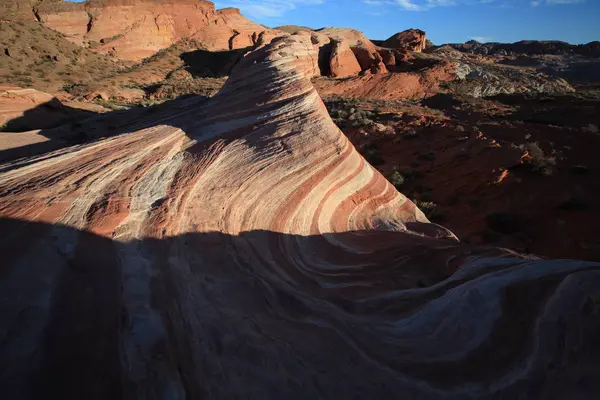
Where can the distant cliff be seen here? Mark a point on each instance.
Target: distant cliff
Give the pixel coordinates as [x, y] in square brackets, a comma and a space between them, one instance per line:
[135, 29]
[530, 47]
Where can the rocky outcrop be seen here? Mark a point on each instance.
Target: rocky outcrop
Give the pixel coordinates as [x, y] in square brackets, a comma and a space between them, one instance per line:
[291, 29]
[388, 57]
[22, 10]
[484, 79]
[342, 62]
[242, 245]
[135, 29]
[366, 53]
[422, 75]
[410, 40]
[15, 101]
[24, 109]
[394, 86]
[70, 19]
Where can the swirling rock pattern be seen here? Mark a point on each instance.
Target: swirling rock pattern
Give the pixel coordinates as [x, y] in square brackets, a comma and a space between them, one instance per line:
[241, 247]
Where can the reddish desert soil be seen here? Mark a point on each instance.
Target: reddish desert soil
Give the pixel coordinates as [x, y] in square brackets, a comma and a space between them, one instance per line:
[463, 160]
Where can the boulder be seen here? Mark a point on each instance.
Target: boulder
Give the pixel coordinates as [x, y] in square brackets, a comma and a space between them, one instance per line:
[411, 39]
[343, 62]
[366, 53]
[364, 50]
[378, 66]
[388, 56]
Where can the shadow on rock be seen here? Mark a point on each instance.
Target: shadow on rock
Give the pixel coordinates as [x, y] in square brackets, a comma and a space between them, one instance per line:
[87, 316]
[92, 126]
[213, 64]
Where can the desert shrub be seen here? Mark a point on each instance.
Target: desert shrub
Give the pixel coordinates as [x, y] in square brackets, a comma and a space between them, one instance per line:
[538, 160]
[459, 128]
[372, 154]
[396, 179]
[111, 39]
[347, 113]
[108, 104]
[360, 118]
[429, 208]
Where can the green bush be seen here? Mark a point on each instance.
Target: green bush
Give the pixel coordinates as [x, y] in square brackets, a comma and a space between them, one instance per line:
[428, 207]
[347, 113]
[396, 179]
[538, 160]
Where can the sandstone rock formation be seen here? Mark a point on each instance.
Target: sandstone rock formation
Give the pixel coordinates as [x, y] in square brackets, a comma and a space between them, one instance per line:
[26, 109]
[22, 10]
[394, 86]
[422, 75]
[342, 62]
[411, 40]
[243, 247]
[15, 101]
[364, 50]
[135, 29]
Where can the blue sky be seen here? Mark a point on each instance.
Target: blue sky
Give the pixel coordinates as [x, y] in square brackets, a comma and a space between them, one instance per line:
[574, 21]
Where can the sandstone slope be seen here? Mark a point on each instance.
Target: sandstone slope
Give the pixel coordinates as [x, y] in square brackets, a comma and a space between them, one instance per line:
[25, 109]
[32, 55]
[136, 29]
[243, 247]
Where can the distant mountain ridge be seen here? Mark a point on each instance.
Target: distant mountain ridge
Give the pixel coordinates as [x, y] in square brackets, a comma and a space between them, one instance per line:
[529, 47]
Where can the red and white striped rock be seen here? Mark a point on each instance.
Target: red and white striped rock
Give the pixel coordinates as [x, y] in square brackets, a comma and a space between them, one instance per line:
[243, 248]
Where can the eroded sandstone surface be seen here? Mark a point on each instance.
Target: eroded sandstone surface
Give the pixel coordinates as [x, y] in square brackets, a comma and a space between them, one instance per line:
[410, 39]
[241, 246]
[136, 29]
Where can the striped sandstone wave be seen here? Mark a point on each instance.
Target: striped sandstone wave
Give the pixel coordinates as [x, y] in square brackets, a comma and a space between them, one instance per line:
[242, 247]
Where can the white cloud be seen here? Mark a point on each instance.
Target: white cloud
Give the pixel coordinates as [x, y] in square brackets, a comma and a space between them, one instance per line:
[423, 5]
[409, 5]
[565, 1]
[481, 39]
[265, 8]
[537, 3]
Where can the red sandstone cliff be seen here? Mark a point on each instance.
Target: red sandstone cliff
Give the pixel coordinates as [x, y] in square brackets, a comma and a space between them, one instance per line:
[135, 29]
